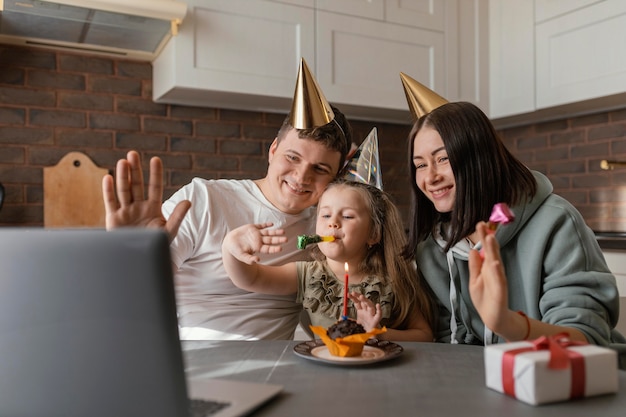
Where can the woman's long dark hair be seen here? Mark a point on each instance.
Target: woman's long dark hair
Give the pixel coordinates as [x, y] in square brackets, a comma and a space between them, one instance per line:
[485, 173]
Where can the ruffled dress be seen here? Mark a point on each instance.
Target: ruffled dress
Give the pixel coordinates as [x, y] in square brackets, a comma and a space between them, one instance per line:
[321, 293]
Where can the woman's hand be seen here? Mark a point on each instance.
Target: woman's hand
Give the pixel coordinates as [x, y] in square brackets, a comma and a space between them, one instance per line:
[368, 315]
[489, 291]
[488, 286]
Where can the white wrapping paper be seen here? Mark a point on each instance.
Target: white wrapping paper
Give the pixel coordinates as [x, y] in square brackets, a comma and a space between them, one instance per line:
[535, 383]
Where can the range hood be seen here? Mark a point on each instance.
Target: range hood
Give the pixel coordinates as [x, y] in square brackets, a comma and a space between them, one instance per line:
[136, 29]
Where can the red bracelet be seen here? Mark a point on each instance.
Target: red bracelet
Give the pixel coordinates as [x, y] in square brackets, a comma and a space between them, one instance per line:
[521, 313]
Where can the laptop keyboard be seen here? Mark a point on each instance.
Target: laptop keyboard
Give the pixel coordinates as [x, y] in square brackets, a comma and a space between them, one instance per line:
[204, 408]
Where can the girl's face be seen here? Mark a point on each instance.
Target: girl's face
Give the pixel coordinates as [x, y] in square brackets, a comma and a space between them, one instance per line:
[343, 213]
[433, 173]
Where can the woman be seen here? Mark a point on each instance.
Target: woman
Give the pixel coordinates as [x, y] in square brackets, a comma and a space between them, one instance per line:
[549, 277]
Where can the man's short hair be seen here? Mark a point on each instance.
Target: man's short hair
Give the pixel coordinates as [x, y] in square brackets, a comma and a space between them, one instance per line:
[336, 135]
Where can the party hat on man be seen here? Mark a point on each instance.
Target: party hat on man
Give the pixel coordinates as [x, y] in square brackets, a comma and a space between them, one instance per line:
[421, 99]
[364, 166]
[310, 108]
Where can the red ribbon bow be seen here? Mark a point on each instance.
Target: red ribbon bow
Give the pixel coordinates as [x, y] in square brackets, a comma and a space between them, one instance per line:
[560, 358]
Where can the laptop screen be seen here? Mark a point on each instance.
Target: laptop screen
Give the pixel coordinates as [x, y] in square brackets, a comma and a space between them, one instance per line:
[88, 324]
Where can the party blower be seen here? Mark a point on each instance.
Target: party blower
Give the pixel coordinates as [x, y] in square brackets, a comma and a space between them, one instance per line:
[500, 214]
[304, 240]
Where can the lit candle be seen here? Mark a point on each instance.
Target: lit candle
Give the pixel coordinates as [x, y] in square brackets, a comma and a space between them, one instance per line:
[345, 293]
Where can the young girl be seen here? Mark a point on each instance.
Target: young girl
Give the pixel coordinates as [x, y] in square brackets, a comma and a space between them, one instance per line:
[385, 288]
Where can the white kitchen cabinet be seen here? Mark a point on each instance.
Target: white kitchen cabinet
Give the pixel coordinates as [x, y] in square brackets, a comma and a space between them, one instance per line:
[359, 62]
[240, 54]
[549, 9]
[551, 53]
[304, 3]
[244, 54]
[511, 57]
[426, 14]
[472, 34]
[371, 9]
[581, 54]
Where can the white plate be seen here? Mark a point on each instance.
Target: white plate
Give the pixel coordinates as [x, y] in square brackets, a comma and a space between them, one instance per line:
[374, 351]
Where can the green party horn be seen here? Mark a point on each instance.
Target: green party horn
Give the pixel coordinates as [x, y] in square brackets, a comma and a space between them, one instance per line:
[304, 240]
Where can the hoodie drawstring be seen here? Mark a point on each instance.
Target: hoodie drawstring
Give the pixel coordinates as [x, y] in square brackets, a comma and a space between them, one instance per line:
[461, 249]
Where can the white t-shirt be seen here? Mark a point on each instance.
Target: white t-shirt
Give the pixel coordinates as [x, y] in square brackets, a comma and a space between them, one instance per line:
[209, 305]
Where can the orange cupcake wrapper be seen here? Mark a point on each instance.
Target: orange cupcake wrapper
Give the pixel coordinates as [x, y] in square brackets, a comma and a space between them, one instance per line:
[345, 346]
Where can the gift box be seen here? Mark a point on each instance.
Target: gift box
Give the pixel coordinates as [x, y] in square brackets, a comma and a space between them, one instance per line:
[550, 369]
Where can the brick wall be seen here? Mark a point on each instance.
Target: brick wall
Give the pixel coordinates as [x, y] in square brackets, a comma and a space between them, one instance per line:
[52, 103]
[569, 152]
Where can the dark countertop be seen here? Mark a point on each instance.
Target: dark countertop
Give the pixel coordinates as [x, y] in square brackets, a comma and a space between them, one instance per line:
[430, 379]
[611, 240]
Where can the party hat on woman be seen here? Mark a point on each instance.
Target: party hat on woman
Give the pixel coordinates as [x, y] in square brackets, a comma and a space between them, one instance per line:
[422, 100]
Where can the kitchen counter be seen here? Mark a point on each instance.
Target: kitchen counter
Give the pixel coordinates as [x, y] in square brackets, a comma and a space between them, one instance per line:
[613, 245]
[611, 240]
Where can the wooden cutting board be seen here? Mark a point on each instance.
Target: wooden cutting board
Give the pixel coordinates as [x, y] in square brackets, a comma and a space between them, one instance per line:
[73, 193]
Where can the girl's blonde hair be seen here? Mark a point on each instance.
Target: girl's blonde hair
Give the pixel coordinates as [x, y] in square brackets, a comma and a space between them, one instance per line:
[385, 259]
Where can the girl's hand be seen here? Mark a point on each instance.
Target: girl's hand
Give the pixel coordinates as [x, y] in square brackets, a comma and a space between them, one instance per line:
[246, 241]
[368, 315]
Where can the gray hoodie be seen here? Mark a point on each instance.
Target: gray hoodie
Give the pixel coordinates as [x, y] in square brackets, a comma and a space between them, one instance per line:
[555, 270]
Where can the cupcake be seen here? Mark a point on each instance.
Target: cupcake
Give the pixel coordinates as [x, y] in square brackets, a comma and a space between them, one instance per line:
[345, 337]
[343, 328]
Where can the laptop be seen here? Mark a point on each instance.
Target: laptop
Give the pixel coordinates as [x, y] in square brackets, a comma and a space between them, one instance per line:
[88, 327]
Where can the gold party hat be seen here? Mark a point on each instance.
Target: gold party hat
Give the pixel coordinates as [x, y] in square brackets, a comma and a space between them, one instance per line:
[310, 108]
[364, 166]
[422, 100]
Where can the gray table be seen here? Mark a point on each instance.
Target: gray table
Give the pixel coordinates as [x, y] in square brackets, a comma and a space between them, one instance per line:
[427, 379]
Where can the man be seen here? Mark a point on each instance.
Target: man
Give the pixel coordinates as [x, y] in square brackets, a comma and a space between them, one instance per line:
[302, 161]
